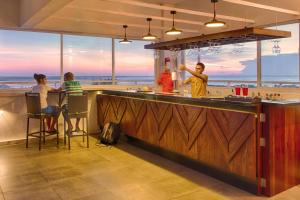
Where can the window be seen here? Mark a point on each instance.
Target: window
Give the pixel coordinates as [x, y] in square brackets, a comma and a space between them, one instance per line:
[235, 62]
[134, 63]
[280, 58]
[89, 58]
[24, 53]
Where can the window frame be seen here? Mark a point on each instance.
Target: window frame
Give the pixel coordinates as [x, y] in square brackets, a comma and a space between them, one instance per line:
[61, 59]
[258, 81]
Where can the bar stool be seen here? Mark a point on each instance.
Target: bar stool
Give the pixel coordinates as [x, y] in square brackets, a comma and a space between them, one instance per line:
[77, 107]
[34, 111]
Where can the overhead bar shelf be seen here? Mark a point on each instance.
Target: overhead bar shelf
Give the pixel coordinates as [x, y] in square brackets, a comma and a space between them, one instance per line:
[223, 38]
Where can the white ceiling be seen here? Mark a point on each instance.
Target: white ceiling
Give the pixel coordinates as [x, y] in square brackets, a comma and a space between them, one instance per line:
[106, 17]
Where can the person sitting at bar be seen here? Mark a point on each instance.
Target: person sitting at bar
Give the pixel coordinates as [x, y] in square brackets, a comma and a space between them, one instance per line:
[198, 81]
[165, 79]
[70, 86]
[52, 112]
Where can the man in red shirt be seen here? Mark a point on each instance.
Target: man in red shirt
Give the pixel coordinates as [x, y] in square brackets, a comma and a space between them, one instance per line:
[165, 80]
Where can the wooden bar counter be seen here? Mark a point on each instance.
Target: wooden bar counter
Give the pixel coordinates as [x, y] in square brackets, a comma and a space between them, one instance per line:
[232, 141]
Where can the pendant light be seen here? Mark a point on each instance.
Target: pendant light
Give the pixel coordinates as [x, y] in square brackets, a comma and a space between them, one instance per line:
[173, 30]
[125, 40]
[149, 36]
[214, 23]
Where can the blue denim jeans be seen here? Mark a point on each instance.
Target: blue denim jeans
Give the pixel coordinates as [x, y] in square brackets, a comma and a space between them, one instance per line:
[52, 110]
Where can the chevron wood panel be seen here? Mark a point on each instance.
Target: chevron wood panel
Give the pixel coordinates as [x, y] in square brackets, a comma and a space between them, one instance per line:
[222, 139]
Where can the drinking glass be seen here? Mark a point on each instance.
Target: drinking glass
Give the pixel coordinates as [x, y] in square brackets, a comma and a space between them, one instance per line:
[237, 90]
[245, 91]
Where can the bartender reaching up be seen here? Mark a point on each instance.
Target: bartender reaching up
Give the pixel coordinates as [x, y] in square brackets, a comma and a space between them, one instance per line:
[198, 81]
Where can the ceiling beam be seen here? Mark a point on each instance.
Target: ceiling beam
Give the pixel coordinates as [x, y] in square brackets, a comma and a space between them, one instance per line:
[262, 6]
[181, 10]
[120, 24]
[46, 10]
[130, 14]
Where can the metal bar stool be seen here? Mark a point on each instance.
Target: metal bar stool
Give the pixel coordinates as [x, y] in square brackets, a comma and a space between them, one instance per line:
[76, 107]
[34, 111]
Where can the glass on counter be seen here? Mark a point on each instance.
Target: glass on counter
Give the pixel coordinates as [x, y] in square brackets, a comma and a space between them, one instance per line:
[237, 90]
[245, 90]
[186, 93]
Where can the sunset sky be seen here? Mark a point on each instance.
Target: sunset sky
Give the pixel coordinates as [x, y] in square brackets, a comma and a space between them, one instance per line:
[228, 61]
[24, 53]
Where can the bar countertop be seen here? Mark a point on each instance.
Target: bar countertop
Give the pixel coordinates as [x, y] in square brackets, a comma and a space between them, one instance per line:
[219, 103]
[210, 102]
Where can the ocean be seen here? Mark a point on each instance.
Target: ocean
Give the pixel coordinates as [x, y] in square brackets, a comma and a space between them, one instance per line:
[13, 82]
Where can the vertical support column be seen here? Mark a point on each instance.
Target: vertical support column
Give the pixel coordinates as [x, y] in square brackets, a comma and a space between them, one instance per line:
[182, 60]
[258, 64]
[61, 58]
[156, 57]
[113, 63]
[159, 64]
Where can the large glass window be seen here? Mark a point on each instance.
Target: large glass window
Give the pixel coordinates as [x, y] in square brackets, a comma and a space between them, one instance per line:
[24, 53]
[89, 58]
[133, 63]
[227, 62]
[280, 58]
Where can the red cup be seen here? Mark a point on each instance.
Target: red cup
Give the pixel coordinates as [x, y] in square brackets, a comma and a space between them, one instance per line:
[237, 90]
[245, 91]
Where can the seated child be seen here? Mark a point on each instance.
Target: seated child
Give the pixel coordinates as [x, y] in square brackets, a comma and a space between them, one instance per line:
[70, 86]
[52, 112]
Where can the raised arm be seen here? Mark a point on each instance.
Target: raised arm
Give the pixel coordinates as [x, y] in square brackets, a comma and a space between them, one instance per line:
[202, 76]
[194, 73]
[51, 89]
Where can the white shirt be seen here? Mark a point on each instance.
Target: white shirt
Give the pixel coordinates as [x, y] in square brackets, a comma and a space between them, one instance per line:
[43, 90]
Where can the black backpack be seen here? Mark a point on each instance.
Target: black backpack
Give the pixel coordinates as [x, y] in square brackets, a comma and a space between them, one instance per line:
[110, 133]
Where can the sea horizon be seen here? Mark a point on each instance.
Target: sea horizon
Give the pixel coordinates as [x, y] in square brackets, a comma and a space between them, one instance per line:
[14, 82]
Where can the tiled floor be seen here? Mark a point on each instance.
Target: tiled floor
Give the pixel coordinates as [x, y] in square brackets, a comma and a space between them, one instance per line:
[121, 172]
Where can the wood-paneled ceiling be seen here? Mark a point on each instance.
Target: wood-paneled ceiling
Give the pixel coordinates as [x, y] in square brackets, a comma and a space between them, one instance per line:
[106, 17]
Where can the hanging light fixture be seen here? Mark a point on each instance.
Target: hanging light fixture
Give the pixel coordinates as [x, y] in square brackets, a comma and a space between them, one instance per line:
[125, 40]
[173, 30]
[149, 36]
[214, 23]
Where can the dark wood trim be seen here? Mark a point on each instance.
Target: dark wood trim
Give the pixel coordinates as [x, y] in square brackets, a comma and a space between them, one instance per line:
[259, 151]
[281, 155]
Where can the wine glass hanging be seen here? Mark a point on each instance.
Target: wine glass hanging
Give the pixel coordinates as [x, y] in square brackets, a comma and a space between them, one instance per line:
[174, 53]
[192, 51]
[156, 54]
[214, 48]
[276, 49]
[237, 48]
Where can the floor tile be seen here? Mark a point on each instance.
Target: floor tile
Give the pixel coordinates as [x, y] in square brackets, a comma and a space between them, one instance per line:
[34, 194]
[121, 172]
